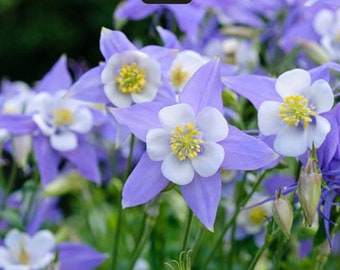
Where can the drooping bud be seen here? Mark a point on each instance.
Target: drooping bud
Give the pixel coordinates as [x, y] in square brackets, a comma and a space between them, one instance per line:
[309, 192]
[283, 213]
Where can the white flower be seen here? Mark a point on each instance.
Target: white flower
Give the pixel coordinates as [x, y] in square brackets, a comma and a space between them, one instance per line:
[252, 220]
[296, 121]
[187, 144]
[23, 252]
[327, 24]
[184, 66]
[131, 76]
[61, 119]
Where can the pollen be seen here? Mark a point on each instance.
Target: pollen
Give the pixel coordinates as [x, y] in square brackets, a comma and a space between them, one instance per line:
[131, 79]
[62, 117]
[179, 76]
[295, 111]
[185, 141]
[257, 215]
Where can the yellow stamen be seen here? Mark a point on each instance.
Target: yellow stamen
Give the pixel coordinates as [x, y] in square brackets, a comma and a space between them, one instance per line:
[295, 110]
[24, 257]
[62, 117]
[257, 215]
[179, 76]
[184, 141]
[131, 79]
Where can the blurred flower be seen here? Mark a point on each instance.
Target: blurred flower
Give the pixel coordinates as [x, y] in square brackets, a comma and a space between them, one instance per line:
[22, 251]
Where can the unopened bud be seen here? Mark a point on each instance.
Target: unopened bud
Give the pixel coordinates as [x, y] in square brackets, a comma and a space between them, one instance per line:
[315, 52]
[309, 191]
[283, 214]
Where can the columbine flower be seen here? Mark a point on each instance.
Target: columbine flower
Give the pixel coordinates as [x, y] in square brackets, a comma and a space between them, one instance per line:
[187, 143]
[24, 252]
[127, 76]
[296, 120]
[61, 119]
[186, 63]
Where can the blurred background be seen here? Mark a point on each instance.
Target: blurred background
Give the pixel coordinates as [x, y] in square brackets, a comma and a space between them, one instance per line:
[35, 33]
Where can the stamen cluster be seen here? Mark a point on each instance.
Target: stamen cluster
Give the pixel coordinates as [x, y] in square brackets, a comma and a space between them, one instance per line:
[185, 142]
[131, 79]
[295, 110]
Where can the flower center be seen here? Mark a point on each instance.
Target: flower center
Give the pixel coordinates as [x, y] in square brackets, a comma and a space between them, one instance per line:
[131, 79]
[295, 110]
[24, 257]
[179, 76]
[185, 142]
[62, 117]
[256, 215]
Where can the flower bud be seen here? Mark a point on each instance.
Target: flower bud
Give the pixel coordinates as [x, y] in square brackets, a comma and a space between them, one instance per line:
[283, 214]
[309, 191]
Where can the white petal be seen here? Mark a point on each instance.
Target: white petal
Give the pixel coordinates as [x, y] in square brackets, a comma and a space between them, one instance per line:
[83, 121]
[209, 161]
[64, 141]
[269, 120]
[111, 69]
[293, 82]
[212, 124]
[291, 141]
[178, 172]
[117, 98]
[41, 245]
[14, 241]
[158, 143]
[152, 71]
[179, 114]
[323, 21]
[321, 95]
[318, 131]
[45, 128]
[148, 93]
[43, 262]
[22, 146]
[5, 257]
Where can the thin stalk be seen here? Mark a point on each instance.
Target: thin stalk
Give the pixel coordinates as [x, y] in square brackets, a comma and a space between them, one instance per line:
[114, 253]
[268, 241]
[233, 219]
[187, 231]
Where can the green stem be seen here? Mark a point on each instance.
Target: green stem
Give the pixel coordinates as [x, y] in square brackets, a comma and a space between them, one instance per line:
[233, 219]
[9, 188]
[143, 237]
[268, 241]
[187, 231]
[114, 261]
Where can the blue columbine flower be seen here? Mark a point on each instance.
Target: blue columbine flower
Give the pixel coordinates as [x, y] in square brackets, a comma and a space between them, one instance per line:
[187, 143]
[128, 75]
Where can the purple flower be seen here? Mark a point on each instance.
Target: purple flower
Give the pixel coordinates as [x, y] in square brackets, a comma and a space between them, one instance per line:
[58, 126]
[289, 106]
[187, 143]
[127, 76]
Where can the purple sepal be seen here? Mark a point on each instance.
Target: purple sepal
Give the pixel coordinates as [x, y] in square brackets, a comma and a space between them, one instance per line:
[204, 88]
[203, 196]
[47, 159]
[244, 152]
[79, 256]
[58, 78]
[112, 42]
[144, 182]
[17, 123]
[89, 87]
